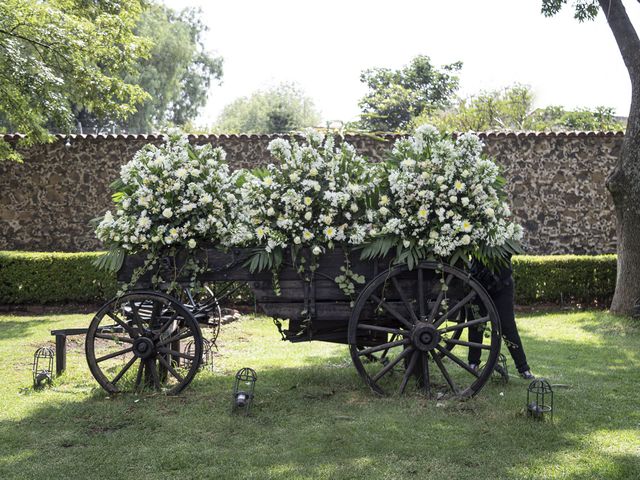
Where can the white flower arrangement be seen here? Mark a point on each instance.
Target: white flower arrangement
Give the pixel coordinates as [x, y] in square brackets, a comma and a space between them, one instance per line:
[174, 195]
[435, 199]
[444, 200]
[316, 197]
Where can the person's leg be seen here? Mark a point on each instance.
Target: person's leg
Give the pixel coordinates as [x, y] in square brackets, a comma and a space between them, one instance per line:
[504, 302]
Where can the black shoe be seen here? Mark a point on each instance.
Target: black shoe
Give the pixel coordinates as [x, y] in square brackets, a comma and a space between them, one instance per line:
[527, 375]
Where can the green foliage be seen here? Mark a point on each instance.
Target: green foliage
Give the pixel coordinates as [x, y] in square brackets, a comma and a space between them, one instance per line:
[395, 97]
[41, 278]
[511, 108]
[177, 74]
[582, 279]
[584, 9]
[58, 53]
[280, 109]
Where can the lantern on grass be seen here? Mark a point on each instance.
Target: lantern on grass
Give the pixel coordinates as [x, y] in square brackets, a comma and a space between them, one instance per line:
[42, 367]
[540, 400]
[243, 389]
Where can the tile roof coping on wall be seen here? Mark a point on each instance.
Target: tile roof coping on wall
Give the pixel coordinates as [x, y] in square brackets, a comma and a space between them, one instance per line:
[158, 136]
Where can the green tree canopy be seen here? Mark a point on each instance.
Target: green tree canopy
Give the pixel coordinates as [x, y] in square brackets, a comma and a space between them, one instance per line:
[396, 97]
[59, 53]
[512, 108]
[176, 75]
[279, 109]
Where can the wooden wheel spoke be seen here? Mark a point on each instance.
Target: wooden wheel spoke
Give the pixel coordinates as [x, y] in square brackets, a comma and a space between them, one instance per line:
[114, 354]
[139, 375]
[175, 353]
[113, 337]
[467, 344]
[457, 307]
[124, 370]
[426, 381]
[376, 328]
[439, 298]
[404, 299]
[445, 373]
[170, 368]
[132, 333]
[384, 346]
[176, 338]
[409, 371]
[462, 325]
[394, 313]
[136, 315]
[166, 325]
[391, 364]
[455, 359]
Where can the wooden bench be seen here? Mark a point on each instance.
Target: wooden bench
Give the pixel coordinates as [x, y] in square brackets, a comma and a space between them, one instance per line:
[61, 343]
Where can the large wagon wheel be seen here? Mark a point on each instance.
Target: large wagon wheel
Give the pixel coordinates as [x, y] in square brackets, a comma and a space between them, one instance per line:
[133, 343]
[416, 318]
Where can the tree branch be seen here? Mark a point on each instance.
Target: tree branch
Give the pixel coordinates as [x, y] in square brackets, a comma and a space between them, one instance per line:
[624, 33]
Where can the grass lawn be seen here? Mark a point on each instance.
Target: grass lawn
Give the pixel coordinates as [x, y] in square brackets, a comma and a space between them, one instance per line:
[313, 418]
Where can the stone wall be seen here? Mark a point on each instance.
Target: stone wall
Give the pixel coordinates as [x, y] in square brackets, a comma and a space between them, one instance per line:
[556, 183]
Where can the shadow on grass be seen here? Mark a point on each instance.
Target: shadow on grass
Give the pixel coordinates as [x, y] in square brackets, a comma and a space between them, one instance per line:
[320, 421]
[17, 329]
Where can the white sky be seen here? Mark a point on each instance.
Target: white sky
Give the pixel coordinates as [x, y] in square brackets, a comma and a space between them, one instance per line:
[324, 45]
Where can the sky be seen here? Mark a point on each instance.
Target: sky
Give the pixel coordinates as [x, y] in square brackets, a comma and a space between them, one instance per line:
[324, 45]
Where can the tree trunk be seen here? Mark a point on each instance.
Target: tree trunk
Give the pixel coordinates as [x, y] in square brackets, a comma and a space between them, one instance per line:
[624, 182]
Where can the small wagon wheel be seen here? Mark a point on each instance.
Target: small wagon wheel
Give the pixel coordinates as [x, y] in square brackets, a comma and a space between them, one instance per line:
[416, 318]
[204, 306]
[133, 343]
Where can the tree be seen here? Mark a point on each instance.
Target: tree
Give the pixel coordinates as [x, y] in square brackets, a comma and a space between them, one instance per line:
[176, 75]
[280, 109]
[511, 108]
[396, 97]
[59, 53]
[624, 181]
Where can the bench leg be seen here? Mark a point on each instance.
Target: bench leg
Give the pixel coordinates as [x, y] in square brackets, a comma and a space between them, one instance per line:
[61, 354]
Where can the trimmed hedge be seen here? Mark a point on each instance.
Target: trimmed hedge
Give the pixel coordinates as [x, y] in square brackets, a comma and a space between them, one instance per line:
[585, 279]
[42, 278]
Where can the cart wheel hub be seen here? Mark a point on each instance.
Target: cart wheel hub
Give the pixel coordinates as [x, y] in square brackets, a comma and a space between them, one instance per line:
[143, 347]
[425, 337]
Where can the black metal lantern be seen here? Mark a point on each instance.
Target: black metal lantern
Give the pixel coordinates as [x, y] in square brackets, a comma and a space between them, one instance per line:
[243, 389]
[207, 353]
[42, 368]
[540, 400]
[500, 371]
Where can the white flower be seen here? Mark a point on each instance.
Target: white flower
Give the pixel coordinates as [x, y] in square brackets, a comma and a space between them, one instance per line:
[453, 199]
[192, 243]
[181, 173]
[267, 181]
[313, 172]
[464, 201]
[466, 226]
[167, 213]
[271, 212]
[260, 232]
[294, 177]
[383, 211]
[307, 201]
[308, 216]
[406, 243]
[330, 232]
[465, 240]
[440, 179]
[490, 212]
[423, 213]
[354, 207]
[316, 250]
[458, 186]
[384, 200]
[307, 235]
[297, 240]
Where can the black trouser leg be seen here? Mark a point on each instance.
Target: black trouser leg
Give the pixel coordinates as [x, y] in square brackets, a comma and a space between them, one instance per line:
[504, 302]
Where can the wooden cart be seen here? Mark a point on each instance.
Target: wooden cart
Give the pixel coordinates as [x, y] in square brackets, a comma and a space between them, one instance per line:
[406, 329]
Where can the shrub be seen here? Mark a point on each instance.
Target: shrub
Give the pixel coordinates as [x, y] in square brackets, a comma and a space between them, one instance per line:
[587, 279]
[43, 277]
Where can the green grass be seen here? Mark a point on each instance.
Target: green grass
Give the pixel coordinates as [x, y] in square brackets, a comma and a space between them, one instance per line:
[313, 418]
